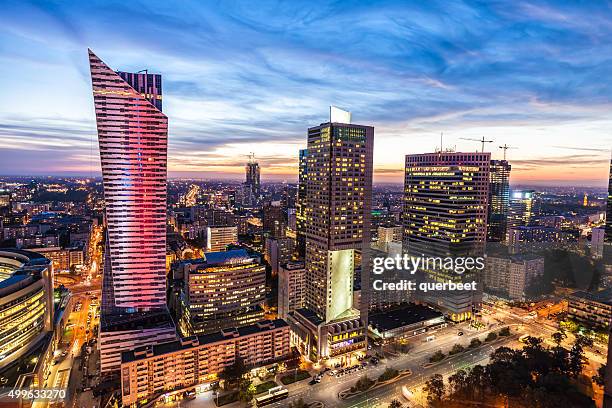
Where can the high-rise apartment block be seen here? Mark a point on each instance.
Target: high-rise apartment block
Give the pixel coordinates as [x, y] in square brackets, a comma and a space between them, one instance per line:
[133, 136]
[336, 203]
[274, 219]
[445, 213]
[521, 208]
[499, 200]
[219, 237]
[510, 276]
[291, 282]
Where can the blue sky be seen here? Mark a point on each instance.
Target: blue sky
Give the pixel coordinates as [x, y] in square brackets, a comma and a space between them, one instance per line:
[244, 77]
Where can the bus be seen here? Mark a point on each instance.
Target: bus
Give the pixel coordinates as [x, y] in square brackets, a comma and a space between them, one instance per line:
[273, 395]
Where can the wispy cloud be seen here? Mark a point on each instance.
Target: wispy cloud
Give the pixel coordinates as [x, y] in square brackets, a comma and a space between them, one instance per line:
[239, 78]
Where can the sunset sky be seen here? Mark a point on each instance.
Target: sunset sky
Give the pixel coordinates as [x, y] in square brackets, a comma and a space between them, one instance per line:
[242, 77]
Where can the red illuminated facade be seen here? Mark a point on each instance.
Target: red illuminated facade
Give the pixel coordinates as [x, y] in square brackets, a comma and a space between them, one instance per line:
[133, 136]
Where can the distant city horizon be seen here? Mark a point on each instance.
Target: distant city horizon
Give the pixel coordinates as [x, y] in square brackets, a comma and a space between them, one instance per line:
[276, 178]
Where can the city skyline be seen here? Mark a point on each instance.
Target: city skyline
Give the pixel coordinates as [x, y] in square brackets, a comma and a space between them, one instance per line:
[238, 82]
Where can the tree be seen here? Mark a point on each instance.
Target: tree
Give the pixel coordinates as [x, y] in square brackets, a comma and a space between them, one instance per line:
[504, 332]
[576, 355]
[388, 374]
[362, 384]
[457, 348]
[434, 387]
[475, 343]
[234, 372]
[458, 382]
[395, 404]
[437, 356]
[558, 337]
[491, 336]
[599, 378]
[246, 391]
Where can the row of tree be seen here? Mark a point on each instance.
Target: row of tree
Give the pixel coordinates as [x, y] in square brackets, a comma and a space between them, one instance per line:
[534, 377]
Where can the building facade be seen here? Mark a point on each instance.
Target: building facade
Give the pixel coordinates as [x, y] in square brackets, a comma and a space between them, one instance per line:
[521, 208]
[499, 200]
[26, 302]
[132, 136]
[336, 205]
[291, 282]
[445, 215]
[152, 371]
[510, 276]
[219, 237]
[592, 309]
[221, 290]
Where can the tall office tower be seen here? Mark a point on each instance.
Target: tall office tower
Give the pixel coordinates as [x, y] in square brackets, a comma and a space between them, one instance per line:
[252, 184]
[608, 238]
[337, 206]
[521, 208]
[445, 213]
[499, 200]
[300, 214]
[132, 134]
[221, 290]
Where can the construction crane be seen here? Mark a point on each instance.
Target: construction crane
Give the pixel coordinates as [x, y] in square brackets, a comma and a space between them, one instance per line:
[506, 147]
[483, 141]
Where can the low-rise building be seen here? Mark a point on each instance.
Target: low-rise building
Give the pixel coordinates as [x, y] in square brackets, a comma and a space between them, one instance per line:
[405, 321]
[593, 309]
[152, 371]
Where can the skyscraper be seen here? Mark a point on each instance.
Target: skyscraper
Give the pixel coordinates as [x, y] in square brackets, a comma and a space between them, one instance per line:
[445, 213]
[336, 204]
[521, 208]
[499, 200]
[252, 184]
[300, 214]
[132, 134]
[608, 238]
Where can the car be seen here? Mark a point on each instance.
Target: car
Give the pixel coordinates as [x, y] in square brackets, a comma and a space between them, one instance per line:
[312, 382]
[460, 333]
[333, 373]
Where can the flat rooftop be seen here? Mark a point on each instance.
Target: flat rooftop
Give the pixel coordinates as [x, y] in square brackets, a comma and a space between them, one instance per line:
[405, 315]
[603, 296]
[174, 346]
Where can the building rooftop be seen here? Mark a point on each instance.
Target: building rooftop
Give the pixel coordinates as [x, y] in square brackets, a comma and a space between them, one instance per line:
[603, 296]
[406, 315]
[18, 265]
[135, 321]
[233, 256]
[186, 343]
